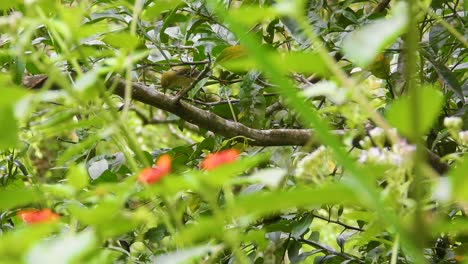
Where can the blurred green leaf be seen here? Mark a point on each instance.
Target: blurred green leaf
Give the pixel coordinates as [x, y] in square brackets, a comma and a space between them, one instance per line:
[186, 255]
[81, 147]
[13, 245]
[12, 198]
[159, 6]
[302, 62]
[66, 248]
[122, 40]
[58, 191]
[264, 203]
[5, 5]
[9, 133]
[108, 218]
[363, 45]
[78, 177]
[458, 179]
[271, 177]
[249, 15]
[399, 112]
[204, 227]
[86, 84]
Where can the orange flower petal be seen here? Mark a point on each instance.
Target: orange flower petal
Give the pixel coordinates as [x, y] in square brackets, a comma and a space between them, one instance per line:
[37, 216]
[153, 175]
[214, 160]
[164, 163]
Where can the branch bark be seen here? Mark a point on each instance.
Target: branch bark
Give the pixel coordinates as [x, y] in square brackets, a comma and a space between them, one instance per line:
[207, 120]
[214, 123]
[380, 7]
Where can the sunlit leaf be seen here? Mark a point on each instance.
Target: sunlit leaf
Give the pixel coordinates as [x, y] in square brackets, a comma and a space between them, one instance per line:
[429, 105]
[363, 45]
[185, 255]
[14, 244]
[63, 249]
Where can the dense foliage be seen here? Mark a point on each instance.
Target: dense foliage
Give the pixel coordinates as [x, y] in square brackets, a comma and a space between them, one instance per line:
[256, 131]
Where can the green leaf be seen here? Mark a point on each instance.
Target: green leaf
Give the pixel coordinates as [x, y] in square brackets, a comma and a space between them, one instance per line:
[58, 191]
[82, 147]
[10, 93]
[399, 112]
[15, 243]
[363, 45]
[203, 228]
[12, 198]
[445, 74]
[271, 177]
[9, 97]
[63, 249]
[302, 62]
[78, 177]
[185, 255]
[458, 179]
[158, 7]
[9, 131]
[251, 15]
[122, 40]
[108, 218]
[301, 227]
[264, 203]
[86, 84]
[5, 5]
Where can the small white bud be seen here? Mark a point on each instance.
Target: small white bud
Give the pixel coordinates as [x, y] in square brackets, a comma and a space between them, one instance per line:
[378, 135]
[453, 122]
[463, 136]
[365, 143]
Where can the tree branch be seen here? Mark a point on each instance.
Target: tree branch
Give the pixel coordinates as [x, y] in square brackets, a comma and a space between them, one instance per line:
[202, 119]
[216, 124]
[380, 7]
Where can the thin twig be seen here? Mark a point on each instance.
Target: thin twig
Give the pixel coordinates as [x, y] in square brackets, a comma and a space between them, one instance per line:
[200, 76]
[232, 101]
[380, 7]
[338, 223]
[447, 26]
[329, 250]
[171, 64]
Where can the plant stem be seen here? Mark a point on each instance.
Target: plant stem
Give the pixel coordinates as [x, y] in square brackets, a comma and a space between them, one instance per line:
[414, 91]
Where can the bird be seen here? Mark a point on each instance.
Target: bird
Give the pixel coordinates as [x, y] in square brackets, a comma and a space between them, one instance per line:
[178, 77]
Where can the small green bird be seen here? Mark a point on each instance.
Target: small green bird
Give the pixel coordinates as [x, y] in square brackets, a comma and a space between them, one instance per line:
[178, 77]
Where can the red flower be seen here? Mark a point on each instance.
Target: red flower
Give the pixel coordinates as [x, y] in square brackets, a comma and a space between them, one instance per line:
[37, 216]
[213, 160]
[153, 175]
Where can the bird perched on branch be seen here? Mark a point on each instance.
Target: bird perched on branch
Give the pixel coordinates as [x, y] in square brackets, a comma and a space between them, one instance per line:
[178, 77]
